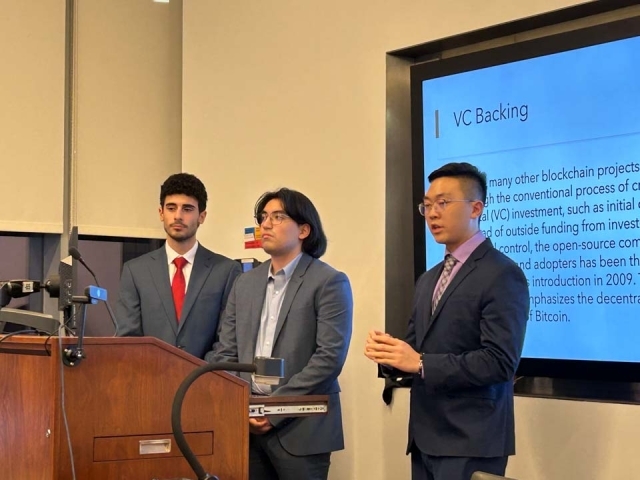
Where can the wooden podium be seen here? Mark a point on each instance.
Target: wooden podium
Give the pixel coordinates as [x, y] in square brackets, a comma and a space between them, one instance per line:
[118, 408]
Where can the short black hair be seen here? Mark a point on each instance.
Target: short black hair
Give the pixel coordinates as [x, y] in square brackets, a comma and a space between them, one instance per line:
[468, 172]
[184, 184]
[301, 210]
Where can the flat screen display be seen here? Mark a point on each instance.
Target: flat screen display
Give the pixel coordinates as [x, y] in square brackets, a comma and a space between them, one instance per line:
[558, 136]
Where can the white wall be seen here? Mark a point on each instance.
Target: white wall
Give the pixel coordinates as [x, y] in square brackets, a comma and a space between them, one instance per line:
[292, 93]
[32, 115]
[126, 115]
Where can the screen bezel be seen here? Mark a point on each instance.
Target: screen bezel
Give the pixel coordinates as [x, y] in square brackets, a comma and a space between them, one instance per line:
[547, 45]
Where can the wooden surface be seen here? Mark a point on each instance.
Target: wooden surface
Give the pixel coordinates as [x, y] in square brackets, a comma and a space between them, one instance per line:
[27, 410]
[128, 448]
[295, 400]
[121, 391]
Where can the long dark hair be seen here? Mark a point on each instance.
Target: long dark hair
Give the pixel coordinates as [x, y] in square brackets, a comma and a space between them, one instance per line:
[301, 210]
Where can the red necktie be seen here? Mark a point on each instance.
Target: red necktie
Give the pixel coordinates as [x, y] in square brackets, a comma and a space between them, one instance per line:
[178, 286]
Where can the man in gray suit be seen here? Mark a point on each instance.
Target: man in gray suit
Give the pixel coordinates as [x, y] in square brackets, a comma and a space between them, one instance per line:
[300, 309]
[464, 338]
[178, 292]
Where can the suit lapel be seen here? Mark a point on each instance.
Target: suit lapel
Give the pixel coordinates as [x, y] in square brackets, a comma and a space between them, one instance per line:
[466, 268]
[292, 289]
[200, 270]
[258, 293]
[423, 324]
[160, 274]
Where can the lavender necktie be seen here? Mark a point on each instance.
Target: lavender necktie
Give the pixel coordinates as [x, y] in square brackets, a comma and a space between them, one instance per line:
[449, 262]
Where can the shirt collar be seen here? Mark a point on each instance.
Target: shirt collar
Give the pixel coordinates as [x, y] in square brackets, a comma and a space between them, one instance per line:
[172, 254]
[288, 269]
[464, 251]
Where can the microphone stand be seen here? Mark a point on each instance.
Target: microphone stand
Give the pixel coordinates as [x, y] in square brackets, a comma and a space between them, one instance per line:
[75, 253]
[74, 354]
[176, 409]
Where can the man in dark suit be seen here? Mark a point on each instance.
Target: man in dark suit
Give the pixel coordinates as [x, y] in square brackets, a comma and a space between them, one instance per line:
[178, 292]
[464, 339]
[300, 309]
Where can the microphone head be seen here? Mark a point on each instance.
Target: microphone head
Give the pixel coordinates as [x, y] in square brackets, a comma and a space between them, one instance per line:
[269, 370]
[22, 288]
[75, 253]
[5, 298]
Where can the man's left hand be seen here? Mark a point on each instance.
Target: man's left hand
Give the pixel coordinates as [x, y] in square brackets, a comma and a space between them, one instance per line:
[393, 352]
[259, 426]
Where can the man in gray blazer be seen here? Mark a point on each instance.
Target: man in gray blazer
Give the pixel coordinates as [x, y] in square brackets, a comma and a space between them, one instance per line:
[178, 292]
[300, 309]
[464, 339]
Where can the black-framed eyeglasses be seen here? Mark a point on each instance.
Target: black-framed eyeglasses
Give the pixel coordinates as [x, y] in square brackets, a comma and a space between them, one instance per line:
[437, 206]
[276, 217]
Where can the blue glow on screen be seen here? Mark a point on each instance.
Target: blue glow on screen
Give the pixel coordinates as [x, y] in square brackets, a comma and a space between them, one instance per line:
[559, 139]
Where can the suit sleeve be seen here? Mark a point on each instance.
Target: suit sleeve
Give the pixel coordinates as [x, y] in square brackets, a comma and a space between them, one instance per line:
[128, 307]
[504, 313]
[334, 324]
[410, 338]
[235, 270]
[225, 349]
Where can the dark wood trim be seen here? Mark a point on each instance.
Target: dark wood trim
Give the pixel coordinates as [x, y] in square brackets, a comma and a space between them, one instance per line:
[554, 17]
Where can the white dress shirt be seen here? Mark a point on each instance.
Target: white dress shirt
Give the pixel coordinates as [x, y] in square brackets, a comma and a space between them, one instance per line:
[186, 270]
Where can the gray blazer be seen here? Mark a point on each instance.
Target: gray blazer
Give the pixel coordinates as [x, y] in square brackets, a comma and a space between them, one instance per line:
[145, 306]
[312, 335]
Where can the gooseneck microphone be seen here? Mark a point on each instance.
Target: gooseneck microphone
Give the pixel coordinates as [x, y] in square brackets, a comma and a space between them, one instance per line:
[268, 368]
[75, 253]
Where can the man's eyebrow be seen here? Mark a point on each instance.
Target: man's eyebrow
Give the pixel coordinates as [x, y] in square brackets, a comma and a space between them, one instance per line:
[440, 195]
[275, 211]
[184, 205]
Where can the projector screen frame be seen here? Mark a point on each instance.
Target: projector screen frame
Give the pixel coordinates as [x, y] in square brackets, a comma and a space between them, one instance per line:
[406, 69]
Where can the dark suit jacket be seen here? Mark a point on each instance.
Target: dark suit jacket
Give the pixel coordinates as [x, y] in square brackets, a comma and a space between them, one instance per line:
[471, 345]
[145, 306]
[312, 336]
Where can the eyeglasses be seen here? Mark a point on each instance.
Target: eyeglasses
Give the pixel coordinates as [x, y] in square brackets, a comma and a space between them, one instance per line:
[438, 206]
[276, 217]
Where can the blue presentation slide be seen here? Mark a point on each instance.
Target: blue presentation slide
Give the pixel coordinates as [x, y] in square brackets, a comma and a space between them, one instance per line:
[559, 139]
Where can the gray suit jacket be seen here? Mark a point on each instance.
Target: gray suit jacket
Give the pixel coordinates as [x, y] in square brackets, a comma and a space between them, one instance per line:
[145, 306]
[312, 335]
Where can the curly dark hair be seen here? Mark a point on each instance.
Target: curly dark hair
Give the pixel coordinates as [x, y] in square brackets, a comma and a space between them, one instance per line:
[184, 184]
[301, 210]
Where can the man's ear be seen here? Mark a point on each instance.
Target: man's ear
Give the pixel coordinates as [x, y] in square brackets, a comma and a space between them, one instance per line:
[304, 231]
[477, 207]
